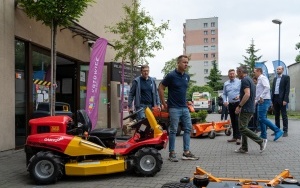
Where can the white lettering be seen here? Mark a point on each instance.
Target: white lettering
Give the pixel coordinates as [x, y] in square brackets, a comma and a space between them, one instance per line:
[53, 139]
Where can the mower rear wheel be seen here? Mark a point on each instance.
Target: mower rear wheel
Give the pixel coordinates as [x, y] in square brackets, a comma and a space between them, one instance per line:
[45, 167]
[228, 132]
[147, 162]
[178, 185]
[212, 134]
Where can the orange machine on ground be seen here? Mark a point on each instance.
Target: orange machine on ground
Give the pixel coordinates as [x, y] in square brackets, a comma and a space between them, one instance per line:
[222, 126]
[204, 179]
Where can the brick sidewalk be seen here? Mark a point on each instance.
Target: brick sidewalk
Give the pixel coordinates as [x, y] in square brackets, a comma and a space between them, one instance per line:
[216, 156]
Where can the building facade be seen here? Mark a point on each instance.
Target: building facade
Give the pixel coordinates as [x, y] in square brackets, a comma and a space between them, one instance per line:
[25, 56]
[201, 44]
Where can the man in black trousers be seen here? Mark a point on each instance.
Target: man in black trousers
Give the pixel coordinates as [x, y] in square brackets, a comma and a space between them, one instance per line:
[280, 98]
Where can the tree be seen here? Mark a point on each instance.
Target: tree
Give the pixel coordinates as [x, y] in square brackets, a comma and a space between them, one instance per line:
[138, 35]
[250, 61]
[214, 77]
[54, 13]
[298, 56]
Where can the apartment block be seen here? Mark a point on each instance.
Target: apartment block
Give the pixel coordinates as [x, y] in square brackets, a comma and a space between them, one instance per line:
[200, 42]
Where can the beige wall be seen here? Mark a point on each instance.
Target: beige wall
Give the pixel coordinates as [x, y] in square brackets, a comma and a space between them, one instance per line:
[104, 13]
[7, 79]
[15, 23]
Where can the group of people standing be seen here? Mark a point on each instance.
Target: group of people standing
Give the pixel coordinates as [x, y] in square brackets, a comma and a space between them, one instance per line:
[144, 94]
[243, 96]
[239, 95]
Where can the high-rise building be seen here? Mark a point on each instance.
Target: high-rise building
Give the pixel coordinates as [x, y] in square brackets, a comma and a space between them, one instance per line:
[200, 37]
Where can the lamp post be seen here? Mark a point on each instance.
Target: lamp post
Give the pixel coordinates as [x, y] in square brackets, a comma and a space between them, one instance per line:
[277, 21]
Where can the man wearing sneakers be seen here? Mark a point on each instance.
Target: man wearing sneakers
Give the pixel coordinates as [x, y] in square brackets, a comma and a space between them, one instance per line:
[177, 83]
[245, 109]
[263, 99]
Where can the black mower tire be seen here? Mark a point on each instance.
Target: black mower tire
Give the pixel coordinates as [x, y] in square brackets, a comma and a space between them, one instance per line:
[147, 162]
[178, 185]
[45, 168]
[212, 134]
[228, 132]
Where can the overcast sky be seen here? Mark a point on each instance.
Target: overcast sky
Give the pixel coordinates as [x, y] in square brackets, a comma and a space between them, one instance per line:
[239, 22]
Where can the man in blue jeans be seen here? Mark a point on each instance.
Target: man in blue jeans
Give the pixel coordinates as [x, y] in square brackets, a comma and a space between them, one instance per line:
[263, 99]
[177, 83]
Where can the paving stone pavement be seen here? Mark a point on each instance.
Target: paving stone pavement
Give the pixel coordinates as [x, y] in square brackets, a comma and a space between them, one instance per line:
[216, 156]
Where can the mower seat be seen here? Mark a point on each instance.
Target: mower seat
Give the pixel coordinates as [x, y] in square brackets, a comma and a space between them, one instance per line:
[104, 133]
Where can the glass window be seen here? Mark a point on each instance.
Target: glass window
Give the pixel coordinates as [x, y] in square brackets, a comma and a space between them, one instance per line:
[205, 25]
[84, 70]
[213, 47]
[213, 32]
[205, 40]
[212, 24]
[205, 48]
[213, 55]
[205, 63]
[205, 71]
[205, 32]
[205, 55]
[213, 40]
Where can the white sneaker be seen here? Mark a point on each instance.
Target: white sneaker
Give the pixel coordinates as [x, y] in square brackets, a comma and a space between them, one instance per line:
[263, 145]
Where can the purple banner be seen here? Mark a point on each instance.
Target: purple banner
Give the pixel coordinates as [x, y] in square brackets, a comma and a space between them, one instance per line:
[94, 80]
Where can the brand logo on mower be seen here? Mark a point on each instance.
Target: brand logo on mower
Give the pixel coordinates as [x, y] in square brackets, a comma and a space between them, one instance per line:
[53, 139]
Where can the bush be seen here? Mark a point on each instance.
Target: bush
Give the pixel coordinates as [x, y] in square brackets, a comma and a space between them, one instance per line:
[200, 116]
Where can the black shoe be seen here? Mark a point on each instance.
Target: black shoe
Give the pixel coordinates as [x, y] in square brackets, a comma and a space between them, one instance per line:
[189, 156]
[285, 134]
[240, 150]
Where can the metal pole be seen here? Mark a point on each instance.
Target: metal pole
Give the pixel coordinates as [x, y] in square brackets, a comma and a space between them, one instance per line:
[52, 81]
[279, 47]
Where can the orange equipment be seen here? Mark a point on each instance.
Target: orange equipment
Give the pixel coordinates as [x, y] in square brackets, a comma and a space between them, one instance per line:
[203, 129]
[222, 126]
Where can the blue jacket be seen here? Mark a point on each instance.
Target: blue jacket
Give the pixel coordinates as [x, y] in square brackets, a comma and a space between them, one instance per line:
[135, 93]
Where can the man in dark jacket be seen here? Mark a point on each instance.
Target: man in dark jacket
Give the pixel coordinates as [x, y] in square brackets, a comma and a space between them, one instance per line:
[144, 92]
[280, 98]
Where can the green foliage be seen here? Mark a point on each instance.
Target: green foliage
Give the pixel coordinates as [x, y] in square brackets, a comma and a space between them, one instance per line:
[214, 77]
[297, 59]
[62, 13]
[139, 35]
[200, 89]
[200, 116]
[250, 61]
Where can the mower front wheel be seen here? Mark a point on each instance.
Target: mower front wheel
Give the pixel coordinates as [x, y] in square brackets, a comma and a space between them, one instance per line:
[228, 132]
[147, 162]
[45, 167]
[212, 134]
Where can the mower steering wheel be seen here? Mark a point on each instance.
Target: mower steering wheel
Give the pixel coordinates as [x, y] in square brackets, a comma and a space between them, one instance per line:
[133, 115]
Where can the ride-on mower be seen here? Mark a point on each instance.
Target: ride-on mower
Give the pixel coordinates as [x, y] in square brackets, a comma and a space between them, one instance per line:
[54, 149]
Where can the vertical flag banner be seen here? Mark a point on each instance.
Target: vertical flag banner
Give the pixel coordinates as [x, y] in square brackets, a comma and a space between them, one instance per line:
[94, 79]
[277, 63]
[263, 67]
